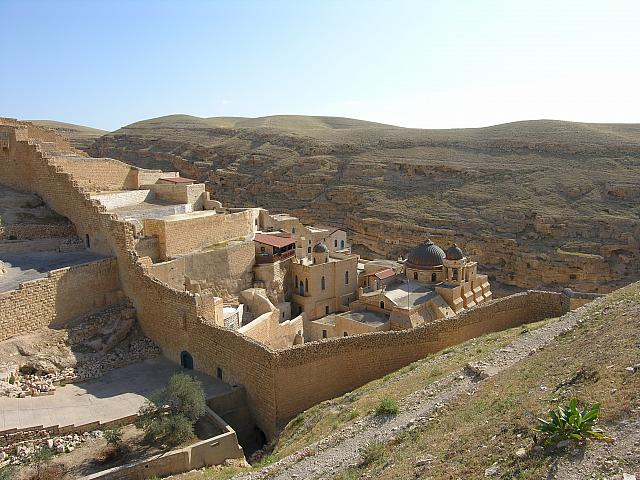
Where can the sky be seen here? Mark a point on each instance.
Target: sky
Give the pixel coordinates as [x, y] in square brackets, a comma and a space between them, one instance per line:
[422, 63]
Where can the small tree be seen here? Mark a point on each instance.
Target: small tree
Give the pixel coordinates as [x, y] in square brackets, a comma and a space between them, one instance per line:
[39, 461]
[113, 436]
[168, 417]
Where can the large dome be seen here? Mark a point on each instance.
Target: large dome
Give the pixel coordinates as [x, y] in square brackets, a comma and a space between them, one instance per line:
[454, 252]
[425, 255]
[320, 248]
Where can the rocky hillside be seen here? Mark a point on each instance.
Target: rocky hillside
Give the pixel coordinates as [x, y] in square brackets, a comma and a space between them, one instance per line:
[538, 203]
[82, 137]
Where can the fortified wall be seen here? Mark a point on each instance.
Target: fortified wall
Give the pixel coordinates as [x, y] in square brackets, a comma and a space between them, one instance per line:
[279, 383]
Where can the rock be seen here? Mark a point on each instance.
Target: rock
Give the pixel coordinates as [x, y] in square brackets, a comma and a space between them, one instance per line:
[60, 448]
[563, 444]
[424, 460]
[521, 453]
[3, 456]
[628, 476]
[491, 471]
[50, 443]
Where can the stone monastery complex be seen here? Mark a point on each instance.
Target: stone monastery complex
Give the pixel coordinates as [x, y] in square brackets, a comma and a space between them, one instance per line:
[246, 296]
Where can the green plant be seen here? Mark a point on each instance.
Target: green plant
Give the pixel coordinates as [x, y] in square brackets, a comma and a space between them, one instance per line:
[569, 423]
[12, 379]
[8, 472]
[387, 406]
[39, 461]
[168, 417]
[113, 436]
[372, 452]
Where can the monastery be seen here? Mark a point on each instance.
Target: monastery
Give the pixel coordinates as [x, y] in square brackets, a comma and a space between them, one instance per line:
[257, 300]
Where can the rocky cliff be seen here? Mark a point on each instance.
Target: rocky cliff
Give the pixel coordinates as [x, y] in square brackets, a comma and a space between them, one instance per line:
[537, 203]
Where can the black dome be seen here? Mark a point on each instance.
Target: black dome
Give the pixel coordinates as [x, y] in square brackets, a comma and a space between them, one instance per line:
[425, 255]
[320, 248]
[454, 252]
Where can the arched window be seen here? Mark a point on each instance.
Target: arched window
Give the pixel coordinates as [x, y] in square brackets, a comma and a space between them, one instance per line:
[322, 283]
[433, 277]
[415, 275]
[293, 230]
[335, 242]
[381, 304]
[346, 277]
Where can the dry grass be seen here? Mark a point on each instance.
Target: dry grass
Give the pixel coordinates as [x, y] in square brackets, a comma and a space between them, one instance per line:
[471, 434]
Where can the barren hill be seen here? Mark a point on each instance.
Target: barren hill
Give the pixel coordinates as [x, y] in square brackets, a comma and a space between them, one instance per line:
[81, 136]
[538, 203]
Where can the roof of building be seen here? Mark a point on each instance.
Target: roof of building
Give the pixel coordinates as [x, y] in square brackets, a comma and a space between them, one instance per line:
[454, 252]
[365, 316]
[320, 248]
[273, 240]
[178, 180]
[382, 274]
[425, 255]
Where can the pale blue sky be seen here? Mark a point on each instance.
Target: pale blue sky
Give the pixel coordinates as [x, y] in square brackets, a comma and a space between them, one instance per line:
[433, 64]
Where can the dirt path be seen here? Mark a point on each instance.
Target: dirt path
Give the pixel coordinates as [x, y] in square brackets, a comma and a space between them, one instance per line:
[340, 450]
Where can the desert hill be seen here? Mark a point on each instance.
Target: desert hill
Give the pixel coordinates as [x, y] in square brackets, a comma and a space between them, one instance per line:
[538, 203]
[81, 136]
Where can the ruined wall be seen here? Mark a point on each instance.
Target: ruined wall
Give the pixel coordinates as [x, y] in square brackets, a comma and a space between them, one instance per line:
[63, 295]
[313, 372]
[27, 231]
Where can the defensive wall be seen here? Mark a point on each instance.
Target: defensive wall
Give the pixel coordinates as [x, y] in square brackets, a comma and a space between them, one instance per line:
[61, 296]
[279, 383]
[313, 372]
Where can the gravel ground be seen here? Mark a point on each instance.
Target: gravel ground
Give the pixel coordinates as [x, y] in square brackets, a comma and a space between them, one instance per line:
[340, 450]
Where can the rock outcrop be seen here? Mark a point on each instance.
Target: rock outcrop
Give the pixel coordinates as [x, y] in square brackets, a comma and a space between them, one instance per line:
[539, 204]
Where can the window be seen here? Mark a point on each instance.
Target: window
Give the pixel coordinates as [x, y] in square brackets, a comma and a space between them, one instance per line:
[415, 275]
[88, 241]
[306, 285]
[433, 277]
[346, 334]
[219, 373]
[324, 334]
[335, 243]
[326, 310]
[309, 250]
[322, 283]
[262, 249]
[381, 304]
[346, 277]
[309, 242]
[293, 229]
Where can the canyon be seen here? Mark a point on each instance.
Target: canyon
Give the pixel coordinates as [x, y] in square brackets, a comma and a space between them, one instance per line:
[540, 204]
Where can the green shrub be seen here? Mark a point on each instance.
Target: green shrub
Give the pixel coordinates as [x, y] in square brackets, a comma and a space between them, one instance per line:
[113, 436]
[387, 406]
[569, 423]
[39, 461]
[372, 452]
[168, 417]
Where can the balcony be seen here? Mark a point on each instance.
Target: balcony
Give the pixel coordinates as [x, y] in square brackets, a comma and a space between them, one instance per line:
[277, 257]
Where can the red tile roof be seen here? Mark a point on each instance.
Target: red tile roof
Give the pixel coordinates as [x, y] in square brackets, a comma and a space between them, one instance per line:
[273, 240]
[382, 274]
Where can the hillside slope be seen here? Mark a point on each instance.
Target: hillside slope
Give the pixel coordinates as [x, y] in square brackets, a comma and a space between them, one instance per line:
[81, 136]
[539, 203]
[452, 424]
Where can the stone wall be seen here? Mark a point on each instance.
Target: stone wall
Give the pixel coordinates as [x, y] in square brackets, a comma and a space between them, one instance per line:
[180, 234]
[100, 174]
[26, 231]
[313, 372]
[63, 295]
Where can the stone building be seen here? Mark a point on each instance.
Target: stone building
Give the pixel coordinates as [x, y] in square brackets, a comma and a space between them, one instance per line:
[325, 283]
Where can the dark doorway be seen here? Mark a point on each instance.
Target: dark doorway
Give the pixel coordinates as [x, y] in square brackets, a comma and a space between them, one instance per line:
[186, 360]
[88, 242]
[219, 373]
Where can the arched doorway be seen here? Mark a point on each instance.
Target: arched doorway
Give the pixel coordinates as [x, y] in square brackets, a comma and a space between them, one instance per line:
[186, 360]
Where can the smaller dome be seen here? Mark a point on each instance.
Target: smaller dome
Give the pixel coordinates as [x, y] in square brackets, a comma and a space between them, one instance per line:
[454, 252]
[320, 248]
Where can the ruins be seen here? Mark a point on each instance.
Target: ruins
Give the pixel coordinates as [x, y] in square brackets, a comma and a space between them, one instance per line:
[143, 261]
